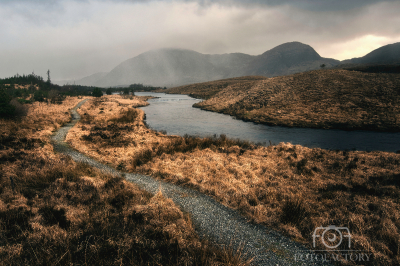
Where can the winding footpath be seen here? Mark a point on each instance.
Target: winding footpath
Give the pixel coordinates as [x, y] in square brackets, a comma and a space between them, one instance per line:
[211, 219]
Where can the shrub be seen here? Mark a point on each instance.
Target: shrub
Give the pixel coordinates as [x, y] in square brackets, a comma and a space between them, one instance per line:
[20, 109]
[39, 96]
[97, 92]
[6, 109]
[128, 116]
[293, 211]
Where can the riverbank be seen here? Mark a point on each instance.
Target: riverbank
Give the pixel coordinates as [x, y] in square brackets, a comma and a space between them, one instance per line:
[327, 99]
[56, 211]
[290, 188]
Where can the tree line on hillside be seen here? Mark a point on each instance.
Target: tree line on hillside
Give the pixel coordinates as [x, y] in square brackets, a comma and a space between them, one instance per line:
[18, 91]
[131, 89]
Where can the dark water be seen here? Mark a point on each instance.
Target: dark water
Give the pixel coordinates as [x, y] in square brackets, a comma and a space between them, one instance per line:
[175, 114]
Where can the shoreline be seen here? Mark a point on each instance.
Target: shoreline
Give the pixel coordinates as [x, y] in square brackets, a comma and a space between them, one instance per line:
[291, 124]
[323, 99]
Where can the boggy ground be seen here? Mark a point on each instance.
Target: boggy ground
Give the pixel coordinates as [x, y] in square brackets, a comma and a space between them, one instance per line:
[338, 98]
[290, 188]
[55, 211]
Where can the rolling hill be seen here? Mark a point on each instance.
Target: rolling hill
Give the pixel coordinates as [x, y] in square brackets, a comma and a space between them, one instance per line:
[319, 99]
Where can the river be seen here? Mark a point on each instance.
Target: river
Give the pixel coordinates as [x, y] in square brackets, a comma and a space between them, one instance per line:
[174, 114]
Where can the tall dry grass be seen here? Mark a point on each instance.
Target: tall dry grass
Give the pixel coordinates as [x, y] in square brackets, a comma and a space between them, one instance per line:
[295, 190]
[291, 188]
[55, 211]
[71, 214]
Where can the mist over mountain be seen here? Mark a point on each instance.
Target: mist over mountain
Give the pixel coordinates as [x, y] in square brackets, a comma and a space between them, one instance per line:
[168, 67]
[171, 67]
[86, 81]
[174, 67]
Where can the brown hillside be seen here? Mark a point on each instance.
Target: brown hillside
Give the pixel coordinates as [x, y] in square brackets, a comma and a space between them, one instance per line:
[207, 90]
[319, 99]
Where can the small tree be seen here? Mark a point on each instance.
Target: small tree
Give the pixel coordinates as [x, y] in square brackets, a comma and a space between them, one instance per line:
[322, 66]
[97, 92]
[48, 77]
[108, 91]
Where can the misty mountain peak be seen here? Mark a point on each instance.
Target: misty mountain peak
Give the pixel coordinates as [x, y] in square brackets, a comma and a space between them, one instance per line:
[173, 66]
[301, 51]
[287, 58]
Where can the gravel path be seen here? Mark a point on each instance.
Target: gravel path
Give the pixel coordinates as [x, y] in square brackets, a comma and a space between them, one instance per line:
[211, 219]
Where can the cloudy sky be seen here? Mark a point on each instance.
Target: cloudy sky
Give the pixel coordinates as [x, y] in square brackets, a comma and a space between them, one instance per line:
[76, 38]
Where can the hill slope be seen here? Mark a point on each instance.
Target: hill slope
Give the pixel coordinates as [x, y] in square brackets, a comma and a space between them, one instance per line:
[285, 59]
[388, 54]
[320, 99]
[206, 90]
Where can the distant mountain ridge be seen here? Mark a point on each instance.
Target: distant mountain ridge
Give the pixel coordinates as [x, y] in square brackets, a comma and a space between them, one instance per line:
[175, 67]
[388, 54]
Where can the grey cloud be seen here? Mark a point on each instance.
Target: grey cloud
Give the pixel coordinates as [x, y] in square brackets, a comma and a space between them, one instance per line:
[313, 5]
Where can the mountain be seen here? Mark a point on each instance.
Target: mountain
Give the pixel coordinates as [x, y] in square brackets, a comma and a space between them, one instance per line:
[176, 67]
[164, 67]
[86, 81]
[388, 54]
[172, 67]
[285, 59]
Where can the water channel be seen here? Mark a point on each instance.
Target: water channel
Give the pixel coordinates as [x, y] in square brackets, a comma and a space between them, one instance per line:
[174, 114]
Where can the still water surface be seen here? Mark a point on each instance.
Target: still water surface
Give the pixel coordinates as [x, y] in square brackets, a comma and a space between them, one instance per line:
[174, 113]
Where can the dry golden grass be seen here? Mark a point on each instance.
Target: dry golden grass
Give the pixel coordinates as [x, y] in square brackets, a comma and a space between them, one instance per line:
[293, 189]
[55, 211]
[319, 99]
[207, 90]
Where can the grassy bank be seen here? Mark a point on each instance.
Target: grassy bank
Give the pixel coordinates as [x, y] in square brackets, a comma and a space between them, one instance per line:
[338, 99]
[55, 211]
[292, 189]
